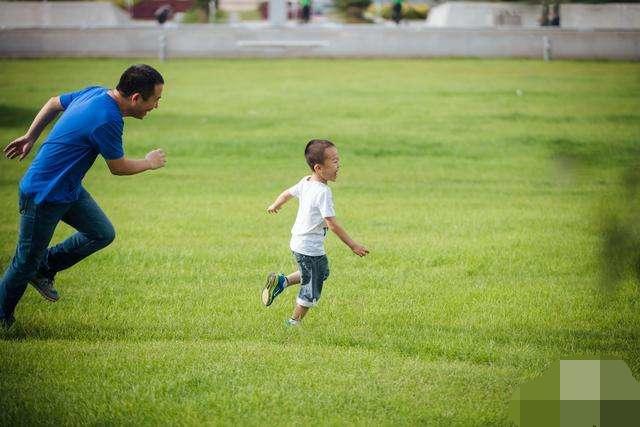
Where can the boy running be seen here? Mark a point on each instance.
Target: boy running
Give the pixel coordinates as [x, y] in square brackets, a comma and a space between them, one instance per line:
[315, 214]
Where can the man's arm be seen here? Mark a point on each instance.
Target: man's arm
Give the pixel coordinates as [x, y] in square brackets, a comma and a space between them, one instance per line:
[21, 146]
[153, 160]
[283, 198]
[357, 248]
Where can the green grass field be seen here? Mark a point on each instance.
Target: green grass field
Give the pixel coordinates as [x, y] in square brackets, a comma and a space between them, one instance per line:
[482, 209]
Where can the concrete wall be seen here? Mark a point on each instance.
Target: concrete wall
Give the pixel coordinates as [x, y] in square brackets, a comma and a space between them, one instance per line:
[239, 5]
[484, 15]
[600, 16]
[29, 14]
[209, 40]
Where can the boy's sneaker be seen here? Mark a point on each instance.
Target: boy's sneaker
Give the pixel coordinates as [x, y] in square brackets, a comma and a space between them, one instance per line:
[291, 322]
[273, 287]
[44, 285]
[6, 322]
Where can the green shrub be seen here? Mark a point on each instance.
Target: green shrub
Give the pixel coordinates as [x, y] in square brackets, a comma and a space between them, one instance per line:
[344, 5]
[197, 15]
[415, 11]
[353, 10]
[409, 11]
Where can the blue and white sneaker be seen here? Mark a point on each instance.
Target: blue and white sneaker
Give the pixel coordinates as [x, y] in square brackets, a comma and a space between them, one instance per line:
[275, 284]
[291, 322]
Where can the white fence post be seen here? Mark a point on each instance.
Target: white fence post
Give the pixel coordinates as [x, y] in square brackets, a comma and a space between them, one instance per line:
[546, 48]
[277, 12]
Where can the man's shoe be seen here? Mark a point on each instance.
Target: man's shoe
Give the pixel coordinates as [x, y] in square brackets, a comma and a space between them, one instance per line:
[6, 322]
[44, 285]
[275, 284]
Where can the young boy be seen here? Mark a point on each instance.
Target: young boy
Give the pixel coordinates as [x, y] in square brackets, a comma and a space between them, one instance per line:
[315, 215]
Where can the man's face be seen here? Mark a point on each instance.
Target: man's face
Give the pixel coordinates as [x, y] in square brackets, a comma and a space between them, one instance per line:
[140, 107]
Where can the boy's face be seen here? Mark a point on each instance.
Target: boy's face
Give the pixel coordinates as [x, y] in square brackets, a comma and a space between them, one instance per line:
[328, 170]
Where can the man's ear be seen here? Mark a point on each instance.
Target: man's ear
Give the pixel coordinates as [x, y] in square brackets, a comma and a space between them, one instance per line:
[317, 167]
[136, 97]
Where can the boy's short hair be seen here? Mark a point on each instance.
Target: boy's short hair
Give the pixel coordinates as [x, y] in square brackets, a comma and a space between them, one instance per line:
[139, 78]
[314, 152]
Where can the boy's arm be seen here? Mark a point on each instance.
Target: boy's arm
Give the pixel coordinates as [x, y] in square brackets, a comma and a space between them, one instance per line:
[283, 198]
[21, 146]
[357, 248]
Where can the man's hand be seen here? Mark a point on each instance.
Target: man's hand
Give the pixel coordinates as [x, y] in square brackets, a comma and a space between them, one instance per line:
[156, 159]
[153, 160]
[359, 250]
[19, 147]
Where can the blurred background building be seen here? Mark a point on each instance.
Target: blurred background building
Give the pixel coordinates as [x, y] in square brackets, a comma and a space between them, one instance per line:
[337, 28]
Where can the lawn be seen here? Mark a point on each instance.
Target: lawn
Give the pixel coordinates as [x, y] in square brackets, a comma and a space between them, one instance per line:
[480, 188]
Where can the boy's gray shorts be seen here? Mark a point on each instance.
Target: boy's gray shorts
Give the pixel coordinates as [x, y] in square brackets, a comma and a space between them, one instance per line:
[314, 270]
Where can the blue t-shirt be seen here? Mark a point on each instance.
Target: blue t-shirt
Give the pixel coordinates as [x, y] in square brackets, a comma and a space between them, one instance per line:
[90, 125]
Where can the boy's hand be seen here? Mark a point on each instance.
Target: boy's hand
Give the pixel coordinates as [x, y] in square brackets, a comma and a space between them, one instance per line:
[280, 200]
[359, 250]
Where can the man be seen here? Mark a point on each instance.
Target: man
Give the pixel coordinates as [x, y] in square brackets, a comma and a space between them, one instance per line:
[305, 10]
[397, 11]
[51, 189]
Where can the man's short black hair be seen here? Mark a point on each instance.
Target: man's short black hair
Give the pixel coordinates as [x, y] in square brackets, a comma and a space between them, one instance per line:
[139, 78]
[314, 151]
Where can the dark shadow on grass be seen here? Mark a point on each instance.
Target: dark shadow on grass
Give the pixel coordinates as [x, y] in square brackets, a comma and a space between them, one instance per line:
[566, 343]
[590, 154]
[66, 332]
[12, 116]
[428, 341]
[629, 119]
[406, 148]
[72, 329]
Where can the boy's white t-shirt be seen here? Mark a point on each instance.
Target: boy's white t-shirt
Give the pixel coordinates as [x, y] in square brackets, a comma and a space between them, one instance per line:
[310, 229]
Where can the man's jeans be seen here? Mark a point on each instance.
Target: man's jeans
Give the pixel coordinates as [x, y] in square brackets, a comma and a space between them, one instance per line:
[37, 224]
